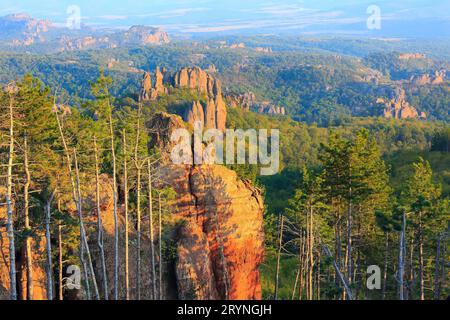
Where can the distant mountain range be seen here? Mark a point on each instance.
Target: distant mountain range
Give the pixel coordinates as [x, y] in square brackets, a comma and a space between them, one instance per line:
[21, 31]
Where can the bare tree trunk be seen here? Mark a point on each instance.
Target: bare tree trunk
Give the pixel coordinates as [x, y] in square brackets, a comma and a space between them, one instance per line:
[152, 238]
[401, 259]
[421, 264]
[26, 194]
[412, 276]
[116, 220]
[280, 246]
[138, 231]
[349, 238]
[138, 204]
[302, 265]
[339, 273]
[125, 187]
[100, 224]
[48, 243]
[9, 201]
[319, 256]
[385, 269]
[161, 262]
[437, 274]
[77, 199]
[311, 252]
[60, 263]
[82, 229]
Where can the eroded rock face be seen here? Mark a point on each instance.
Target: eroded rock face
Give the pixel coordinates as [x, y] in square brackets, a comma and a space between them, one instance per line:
[215, 111]
[399, 108]
[150, 91]
[220, 239]
[426, 79]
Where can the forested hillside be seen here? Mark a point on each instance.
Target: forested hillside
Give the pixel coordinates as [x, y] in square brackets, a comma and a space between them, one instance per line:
[364, 173]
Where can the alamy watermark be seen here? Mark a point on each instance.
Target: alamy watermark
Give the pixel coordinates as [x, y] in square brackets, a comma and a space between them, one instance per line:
[73, 21]
[240, 146]
[374, 20]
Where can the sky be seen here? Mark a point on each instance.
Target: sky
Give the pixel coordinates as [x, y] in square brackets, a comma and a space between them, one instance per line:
[249, 16]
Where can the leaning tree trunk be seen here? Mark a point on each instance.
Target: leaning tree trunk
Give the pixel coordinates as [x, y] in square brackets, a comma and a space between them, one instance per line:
[82, 229]
[9, 202]
[26, 196]
[77, 200]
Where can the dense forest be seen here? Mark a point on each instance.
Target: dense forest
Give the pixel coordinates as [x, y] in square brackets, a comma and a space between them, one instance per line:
[354, 190]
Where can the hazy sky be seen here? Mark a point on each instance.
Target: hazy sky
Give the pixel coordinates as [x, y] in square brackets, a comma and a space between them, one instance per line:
[201, 16]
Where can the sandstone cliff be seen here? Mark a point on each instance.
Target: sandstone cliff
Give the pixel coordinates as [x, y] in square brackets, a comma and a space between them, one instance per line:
[437, 78]
[212, 114]
[213, 228]
[220, 242]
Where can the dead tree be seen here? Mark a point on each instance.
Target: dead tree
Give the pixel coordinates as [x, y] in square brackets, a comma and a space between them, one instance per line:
[125, 188]
[26, 195]
[60, 263]
[160, 247]
[77, 199]
[100, 224]
[9, 201]
[82, 229]
[152, 238]
[48, 243]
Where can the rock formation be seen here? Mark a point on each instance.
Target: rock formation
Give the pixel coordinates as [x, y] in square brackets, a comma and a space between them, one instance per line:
[135, 36]
[411, 56]
[215, 111]
[220, 234]
[146, 86]
[150, 91]
[23, 30]
[399, 108]
[426, 79]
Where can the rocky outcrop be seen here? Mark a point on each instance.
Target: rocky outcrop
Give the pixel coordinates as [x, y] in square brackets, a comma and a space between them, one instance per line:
[214, 111]
[4, 257]
[150, 91]
[135, 36]
[220, 234]
[143, 35]
[23, 30]
[427, 79]
[411, 56]
[399, 108]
